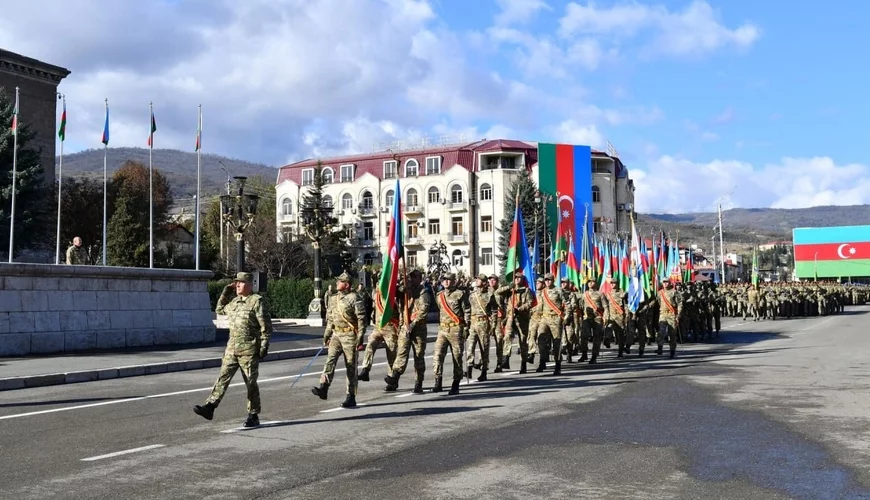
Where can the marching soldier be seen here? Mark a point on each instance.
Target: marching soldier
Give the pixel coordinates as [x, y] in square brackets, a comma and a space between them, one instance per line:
[455, 315]
[552, 321]
[388, 336]
[519, 301]
[534, 319]
[482, 306]
[572, 337]
[594, 311]
[498, 327]
[345, 324]
[670, 307]
[616, 319]
[413, 334]
[250, 333]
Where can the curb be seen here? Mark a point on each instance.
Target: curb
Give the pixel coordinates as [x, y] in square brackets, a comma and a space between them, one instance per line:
[48, 379]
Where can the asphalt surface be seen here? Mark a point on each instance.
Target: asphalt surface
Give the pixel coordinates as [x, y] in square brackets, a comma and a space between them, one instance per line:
[771, 410]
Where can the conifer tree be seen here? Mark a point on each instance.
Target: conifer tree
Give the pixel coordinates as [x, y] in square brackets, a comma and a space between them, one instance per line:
[524, 189]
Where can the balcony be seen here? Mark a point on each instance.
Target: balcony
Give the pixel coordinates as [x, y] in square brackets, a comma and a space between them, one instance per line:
[367, 212]
[366, 243]
[457, 206]
[287, 218]
[457, 238]
[414, 209]
[415, 241]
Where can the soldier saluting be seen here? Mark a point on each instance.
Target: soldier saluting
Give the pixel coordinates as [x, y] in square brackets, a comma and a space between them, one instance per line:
[250, 333]
[345, 326]
[455, 314]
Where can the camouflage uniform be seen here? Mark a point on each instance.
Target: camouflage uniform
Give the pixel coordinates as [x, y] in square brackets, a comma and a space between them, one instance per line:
[413, 336]
[498, 328]
[752, 297]
[482, 302]
[454, 318]
[616, 319]
[534, 319]
[571, 326]
[388, 336]
[345, 324]
[595, 309]
[670, 307]
[518, 317]
[76, 256]
[250, 333]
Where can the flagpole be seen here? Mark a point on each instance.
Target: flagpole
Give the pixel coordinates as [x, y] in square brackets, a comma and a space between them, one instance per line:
[151, 186]
[60, 177]
[198, 186]
[105, 180]
[14, 176]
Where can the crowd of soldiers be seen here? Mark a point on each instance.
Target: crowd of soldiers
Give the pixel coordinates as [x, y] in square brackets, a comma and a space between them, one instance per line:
[555, 324]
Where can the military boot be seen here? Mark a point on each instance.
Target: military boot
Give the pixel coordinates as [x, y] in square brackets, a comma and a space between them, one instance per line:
[640, 352]
[454, 389]
[252, 421]
[321, 391]
[507, 364]
[418, 387]
[469, 373]
[482, 377]
[558, 369]
[659, 350]
[627, 350]
[523, 366]
[205, 411]
[593, 360]
[498, 365]
[673, 352]
[531, 359]
[542, 365]
[349, 401]
[363, 375]
[437, 387]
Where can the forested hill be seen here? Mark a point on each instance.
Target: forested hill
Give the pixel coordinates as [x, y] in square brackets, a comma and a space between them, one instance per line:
[178, 166]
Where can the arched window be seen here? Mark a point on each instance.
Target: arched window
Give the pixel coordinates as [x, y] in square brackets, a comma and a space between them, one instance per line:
[596, 194]
[456, 193]
[287, 206]
[457, 258]
[485, 192]
[326, 175]
[327, 201]
[368, 200]
[390, 198]
[434, 196]
[346, 201]
[412, 198]
[411, 168]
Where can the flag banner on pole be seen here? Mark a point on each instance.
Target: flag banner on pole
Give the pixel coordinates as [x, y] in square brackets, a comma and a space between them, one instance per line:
[15, 118]
[635, 284]
[518, 257]
[754, 267]
[153, 129]
[199, 135]
[389, 280]
[105, 139]
[61, 131]
[832, 252]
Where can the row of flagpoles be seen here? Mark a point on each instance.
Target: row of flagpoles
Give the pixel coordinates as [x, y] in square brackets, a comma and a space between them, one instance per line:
[61, 134]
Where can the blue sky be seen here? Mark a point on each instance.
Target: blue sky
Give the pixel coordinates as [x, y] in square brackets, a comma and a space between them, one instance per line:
[760, 99]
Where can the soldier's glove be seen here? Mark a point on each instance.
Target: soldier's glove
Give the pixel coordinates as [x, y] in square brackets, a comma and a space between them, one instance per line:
[326, 340]
[263, 352]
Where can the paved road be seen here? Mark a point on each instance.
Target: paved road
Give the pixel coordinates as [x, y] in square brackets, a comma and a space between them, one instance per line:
[774, 410]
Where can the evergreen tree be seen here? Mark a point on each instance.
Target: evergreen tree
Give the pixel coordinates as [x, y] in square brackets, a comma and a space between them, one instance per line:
[126, 247]
[319, 223]
[82, 215]
[33, 210]
[524, 188]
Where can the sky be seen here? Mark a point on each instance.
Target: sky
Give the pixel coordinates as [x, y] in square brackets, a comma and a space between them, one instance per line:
[751, 104]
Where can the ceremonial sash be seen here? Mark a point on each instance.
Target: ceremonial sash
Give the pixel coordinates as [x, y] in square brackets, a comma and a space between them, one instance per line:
[588, 299]
[620, 310]
[443, 300]
[667, 302]
[479, 304]
[550, 303]
[350, 324]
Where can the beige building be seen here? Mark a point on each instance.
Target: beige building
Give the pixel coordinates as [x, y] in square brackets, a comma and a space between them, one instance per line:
[453, 194]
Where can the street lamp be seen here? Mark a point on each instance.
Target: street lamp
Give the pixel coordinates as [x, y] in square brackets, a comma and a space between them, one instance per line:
[437, 264]
[542, 201]
[239, 212]
[317, 222]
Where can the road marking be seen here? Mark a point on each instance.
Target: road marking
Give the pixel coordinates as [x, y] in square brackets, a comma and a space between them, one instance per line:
[411, 393]
[125, 452]
[268, 423]
[340, 408]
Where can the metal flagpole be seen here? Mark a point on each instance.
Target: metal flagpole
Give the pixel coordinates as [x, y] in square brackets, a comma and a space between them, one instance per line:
[62, 135]
[105, 177]
[14, 174]
[151, 186]
[198, 185]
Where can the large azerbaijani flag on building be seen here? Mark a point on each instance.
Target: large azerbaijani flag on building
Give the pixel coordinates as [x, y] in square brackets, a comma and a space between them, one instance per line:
[565, 173]
[832, 252]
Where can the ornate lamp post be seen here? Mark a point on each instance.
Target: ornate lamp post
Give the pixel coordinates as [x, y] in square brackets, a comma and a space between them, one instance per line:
[239, 211]
[317, 223]
[542, 201]
[437, 261]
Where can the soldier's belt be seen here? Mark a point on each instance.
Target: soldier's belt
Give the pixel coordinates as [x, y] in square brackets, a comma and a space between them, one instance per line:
[342, 330]
[449, 324]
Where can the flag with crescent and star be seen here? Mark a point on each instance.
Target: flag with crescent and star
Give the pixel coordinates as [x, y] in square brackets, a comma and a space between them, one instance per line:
[832, 252]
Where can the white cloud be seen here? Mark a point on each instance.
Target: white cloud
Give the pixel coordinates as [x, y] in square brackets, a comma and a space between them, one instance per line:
[670, 184]
[695, 30]
[724, 118]
[518, 11]
[572, 132]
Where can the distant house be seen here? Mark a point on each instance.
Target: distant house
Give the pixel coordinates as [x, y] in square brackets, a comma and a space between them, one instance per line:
[772, 244]
[178, 244]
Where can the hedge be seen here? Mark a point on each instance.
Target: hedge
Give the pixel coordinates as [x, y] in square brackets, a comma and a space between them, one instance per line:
[287, 298]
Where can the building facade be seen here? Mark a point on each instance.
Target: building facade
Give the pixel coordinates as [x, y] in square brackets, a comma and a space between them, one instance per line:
[37, 89]
[453, 195]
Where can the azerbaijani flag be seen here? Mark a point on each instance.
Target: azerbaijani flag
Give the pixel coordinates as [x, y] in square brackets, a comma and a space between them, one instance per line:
[199, 135]
[61, 131]
[518, 253]
[574, 273]
[105, 140]
[15, 117]
[389, 281]
[635, 284]
[754, 267]
[832, 251]
[153, 129]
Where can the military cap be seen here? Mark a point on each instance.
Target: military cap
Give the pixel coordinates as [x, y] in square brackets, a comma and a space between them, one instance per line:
[539, 279]
[415, 273]
[549, 276]
[481, 277]
[564, 279]
[493, 277]
[248, 277]
[448, 276]
[344, 277]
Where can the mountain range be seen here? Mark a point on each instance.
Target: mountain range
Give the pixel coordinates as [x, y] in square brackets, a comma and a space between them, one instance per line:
[743, 227]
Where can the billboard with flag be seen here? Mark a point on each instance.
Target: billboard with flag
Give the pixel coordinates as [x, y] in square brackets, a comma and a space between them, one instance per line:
[832, 252]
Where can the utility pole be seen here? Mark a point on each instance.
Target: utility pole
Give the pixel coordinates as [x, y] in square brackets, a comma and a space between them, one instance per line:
[721, 245]
[225, 252]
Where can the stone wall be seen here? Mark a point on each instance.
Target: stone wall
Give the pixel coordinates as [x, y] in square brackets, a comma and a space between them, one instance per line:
[50, 309]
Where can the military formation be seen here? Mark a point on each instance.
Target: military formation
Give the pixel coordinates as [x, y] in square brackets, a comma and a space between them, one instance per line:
[554, 323]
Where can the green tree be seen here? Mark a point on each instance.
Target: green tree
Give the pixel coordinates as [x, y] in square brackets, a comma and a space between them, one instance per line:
[124, 239]
[524, 189]
[82, 215]
[33, 210]
[319, 225]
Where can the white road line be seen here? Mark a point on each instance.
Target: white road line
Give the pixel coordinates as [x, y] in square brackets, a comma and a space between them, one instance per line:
[340, 408]
[268, 423]
[411, 393]
[125, 452]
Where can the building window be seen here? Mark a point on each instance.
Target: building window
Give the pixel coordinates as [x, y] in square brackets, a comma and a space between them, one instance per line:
[596, 194]
[287, 206]
[308, 177]
[387, 228]
[433, 165]
[486, 256]
[368, 260]
[412, 197]
[457, 258]
[596, 227]
[347, 173]
[456, 225]
[411, 168]
[486, 224]
[390, 168]
[326, 175]
[433, 196]
[346, 201]
[369, 231]
[368, 200]
[327, 201]
[456, 193]
[411, 257]
[412, 229]
[390, 198]
[509, 162]
[434, 226]
[485, 192]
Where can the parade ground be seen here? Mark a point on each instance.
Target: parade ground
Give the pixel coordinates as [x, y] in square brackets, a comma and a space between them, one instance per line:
[771, 409]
